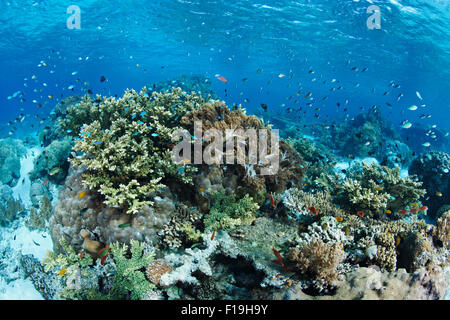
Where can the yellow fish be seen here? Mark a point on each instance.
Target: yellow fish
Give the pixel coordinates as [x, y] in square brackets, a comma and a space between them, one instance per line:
[82, 194]
[62, 271]
[439, 194]
[415, 204]
[201, 189]
[388, 211]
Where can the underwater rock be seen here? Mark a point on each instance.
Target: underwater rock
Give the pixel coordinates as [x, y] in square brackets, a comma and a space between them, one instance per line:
[396, 153]
[10, 208]
[415, 252]
[371, 284]
[433, 169]
[54, 131]
[52, 163]
[37, 192]
[442, 233]
[11, 150]
[46, 283]
[79, 208]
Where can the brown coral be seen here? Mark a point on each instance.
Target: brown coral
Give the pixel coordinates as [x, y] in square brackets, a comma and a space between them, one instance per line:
[318, 259]
[156, 269]
[442, 232]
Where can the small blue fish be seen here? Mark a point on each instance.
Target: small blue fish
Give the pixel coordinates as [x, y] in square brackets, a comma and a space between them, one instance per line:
[155, 134]
[140, 122]
[392, 197]
[150, 127]
[136, 133]
[143, 113]
[133, 116]
[96, 142]
[301, 166]
[68, 131]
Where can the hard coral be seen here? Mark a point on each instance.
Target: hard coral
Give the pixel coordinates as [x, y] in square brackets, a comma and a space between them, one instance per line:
[319, 260]
[373, 187]
[125, 144]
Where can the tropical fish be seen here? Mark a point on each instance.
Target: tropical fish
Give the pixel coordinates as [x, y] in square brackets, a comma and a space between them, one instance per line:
[54, 171]
[124, 225]
[213, 234]
[271, 200]
[413, 107]
[223, 79]
[82, 194]
[313, 210]
[62, 272]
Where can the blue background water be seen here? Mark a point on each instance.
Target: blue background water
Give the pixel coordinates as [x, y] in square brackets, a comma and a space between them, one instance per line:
[234, 39]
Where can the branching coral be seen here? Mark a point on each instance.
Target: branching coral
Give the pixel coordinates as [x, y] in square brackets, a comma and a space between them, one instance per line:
[129, 280]
[373, 187]
[227, 212]
[319, 260]
[125, 144]
[298, 202]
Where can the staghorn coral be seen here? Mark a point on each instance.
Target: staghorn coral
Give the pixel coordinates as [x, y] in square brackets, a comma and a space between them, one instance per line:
[372, 187]
[129, 280]
[317, 259]
[227, 212]
[125, 144]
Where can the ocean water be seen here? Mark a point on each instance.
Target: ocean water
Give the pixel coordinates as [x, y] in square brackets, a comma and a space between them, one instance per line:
[284, 54]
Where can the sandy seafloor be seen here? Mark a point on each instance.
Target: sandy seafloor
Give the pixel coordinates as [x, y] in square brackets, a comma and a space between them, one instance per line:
[17, 238]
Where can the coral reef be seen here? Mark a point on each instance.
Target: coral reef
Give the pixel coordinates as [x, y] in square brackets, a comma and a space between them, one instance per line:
[11, 150]
[226, 212]
[38, 219]
[317, 260]
[371, 284]
[10, 208]
[52, 163]
[371, 187]
[433, 168]
[79, 208]
[125, 150]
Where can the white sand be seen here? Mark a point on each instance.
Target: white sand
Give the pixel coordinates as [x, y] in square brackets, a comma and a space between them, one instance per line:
[20, 239]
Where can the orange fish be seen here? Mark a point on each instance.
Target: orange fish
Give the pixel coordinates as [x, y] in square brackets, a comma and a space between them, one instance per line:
[82, 194]
[223, 79]
[213, 234]
[313, 210]
[360, 213]
[45, 182]
[271, 200]
[402, 211]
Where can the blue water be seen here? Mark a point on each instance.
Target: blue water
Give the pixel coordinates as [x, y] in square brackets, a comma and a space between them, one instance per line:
[137, 43]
